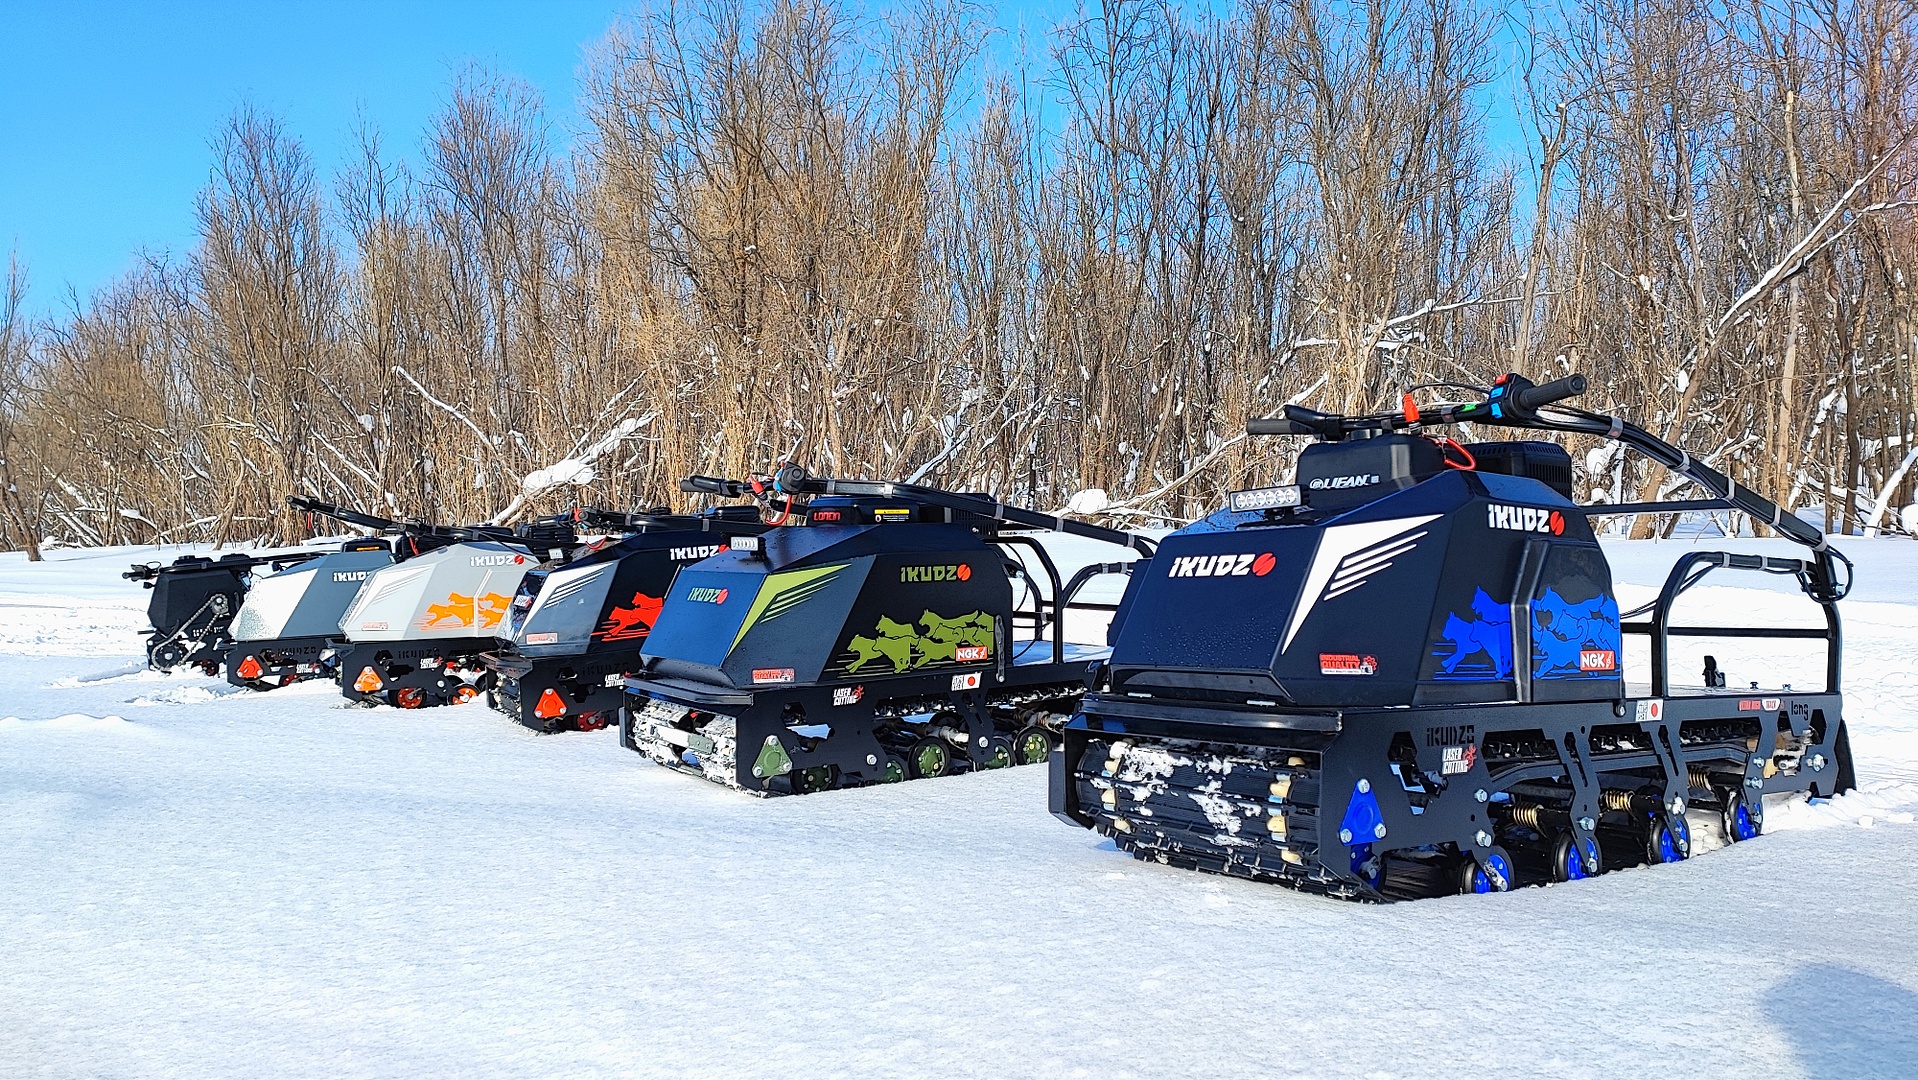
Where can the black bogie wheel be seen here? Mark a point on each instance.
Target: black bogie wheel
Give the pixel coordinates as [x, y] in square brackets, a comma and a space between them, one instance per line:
[929, 757]
[816, 778]
[1031, 746]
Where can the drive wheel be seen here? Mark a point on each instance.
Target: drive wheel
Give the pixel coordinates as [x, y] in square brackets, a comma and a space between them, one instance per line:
[1031, 746]
[929, 757]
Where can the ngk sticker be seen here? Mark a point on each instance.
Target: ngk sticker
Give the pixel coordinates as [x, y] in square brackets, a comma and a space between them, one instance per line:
[1457, 759]
[1257, 564]
[972, 654]
[772, 675]
[1347, 664]
[1530, 519]
[1597, 660]
[847, 695]
[699, 551]
[966, 682]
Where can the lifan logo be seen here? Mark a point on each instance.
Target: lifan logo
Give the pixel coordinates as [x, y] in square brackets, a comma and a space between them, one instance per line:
[1340, 483]
[694, 553]
[1597, 660]
[499, 560]
[1257, 564]
[914, 575]
[706, 596]
[350, 575]
[1529, 519]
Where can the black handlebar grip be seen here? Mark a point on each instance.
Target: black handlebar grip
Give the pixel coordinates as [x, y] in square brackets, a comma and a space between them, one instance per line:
[1276, 425]
[711, 485]
[1556, 390]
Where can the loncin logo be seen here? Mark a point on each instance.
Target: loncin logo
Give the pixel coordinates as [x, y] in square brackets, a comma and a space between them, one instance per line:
[698, 551]
[1257, 564]
[350, 575]
[706, 596]
[914, 575]
[1524, 519]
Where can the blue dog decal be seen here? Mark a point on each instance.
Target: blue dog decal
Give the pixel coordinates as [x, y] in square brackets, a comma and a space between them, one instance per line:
[1488, 634]
[1572, 640]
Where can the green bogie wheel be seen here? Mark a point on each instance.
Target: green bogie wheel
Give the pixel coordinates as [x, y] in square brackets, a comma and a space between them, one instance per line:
[997, 754]
[929, 757]
[1031, 746]
[892, 770]
[816, 778]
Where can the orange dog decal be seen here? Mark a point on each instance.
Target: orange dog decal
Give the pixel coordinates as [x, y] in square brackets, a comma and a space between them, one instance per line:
[457, 610]
[628, 623]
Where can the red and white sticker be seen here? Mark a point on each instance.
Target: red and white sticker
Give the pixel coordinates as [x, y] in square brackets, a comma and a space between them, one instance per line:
[1332, 663]
[966, 682]
[542, 639]
[972, 654]
[1753, 704]
[1649, 711]
[1457, 759]
[847, 695]
[772, 674]
[372, 626]
[1597, 660]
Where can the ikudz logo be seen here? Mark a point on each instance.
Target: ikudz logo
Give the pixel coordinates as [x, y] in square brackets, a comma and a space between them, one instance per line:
[350, 575]
[1529, 519]
[694, 553]
[913, 575]
[1241, 564]
[706, 596]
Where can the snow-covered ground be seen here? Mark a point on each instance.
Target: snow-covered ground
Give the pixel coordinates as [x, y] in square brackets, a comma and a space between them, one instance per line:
[208, 883]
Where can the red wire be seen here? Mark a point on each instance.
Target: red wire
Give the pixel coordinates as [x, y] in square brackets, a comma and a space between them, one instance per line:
[1446, 443]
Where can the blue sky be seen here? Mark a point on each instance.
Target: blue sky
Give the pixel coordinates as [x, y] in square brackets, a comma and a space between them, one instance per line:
[107, 109]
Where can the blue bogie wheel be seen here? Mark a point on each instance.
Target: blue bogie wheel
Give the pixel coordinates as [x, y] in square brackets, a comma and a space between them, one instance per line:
[1741, 822]
[1570, 863]
[1666, 839]
[1488, 872]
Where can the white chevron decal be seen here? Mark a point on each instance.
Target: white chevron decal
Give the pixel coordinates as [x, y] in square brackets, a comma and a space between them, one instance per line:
[1347, 557]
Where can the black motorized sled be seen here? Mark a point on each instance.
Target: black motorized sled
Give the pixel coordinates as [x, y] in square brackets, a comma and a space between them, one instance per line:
[195, 599]
[1403, 675]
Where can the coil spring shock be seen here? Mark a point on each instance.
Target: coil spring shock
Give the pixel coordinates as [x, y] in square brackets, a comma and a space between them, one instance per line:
[1621, 801]
[1524, 814]
[1699, 777]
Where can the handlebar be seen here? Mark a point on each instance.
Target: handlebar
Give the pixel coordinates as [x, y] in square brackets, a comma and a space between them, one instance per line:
[1537, 397]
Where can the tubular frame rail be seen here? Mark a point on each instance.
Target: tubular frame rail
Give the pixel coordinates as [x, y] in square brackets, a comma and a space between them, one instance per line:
[1682, 577]
[790, 480]
[558, 530]
[148, 572]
